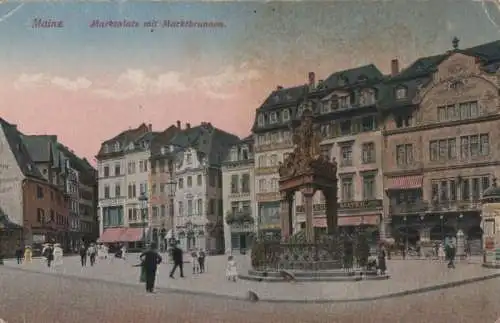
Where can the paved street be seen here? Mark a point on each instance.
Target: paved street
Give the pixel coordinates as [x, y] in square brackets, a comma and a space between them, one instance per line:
[405, 276]
[39, 298]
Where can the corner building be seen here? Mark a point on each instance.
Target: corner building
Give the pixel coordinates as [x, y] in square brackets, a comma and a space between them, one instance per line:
[441, 120]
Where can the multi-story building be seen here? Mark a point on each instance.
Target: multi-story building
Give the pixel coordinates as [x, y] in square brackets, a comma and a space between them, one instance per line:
[200, 152]
[162, 182]
[441, 114]
[33, 204]
[345, 111]
[82, 189]
[117, 199]
[240, 223]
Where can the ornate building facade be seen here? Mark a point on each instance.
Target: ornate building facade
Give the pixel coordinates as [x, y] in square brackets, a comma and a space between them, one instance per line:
[442, 114]
[239, 196]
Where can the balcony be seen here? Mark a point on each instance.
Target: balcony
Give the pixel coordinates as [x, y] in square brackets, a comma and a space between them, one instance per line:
[266, 170]
[345, 206]
[408, 208]
[268, 197]
[273, 146]
[235, 195]
[438, 206]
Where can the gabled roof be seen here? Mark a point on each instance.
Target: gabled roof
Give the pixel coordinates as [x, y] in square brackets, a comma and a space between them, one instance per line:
[284, 96]
[351, 77]
[207, 141]
[163, 139]
[18, 148]
[124, 138]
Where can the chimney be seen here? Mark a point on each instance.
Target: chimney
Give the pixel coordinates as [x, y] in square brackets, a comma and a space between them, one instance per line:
[188, 125]
[312, 80]
[178, 124]
[394, 67]
[279, 87]
[150, 127]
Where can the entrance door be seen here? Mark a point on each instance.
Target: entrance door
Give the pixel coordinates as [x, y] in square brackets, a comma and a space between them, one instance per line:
[243, 241]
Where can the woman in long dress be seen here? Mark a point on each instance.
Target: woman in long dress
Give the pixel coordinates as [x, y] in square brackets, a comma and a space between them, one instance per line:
[441, 254]
[231, 270]
[58, 255]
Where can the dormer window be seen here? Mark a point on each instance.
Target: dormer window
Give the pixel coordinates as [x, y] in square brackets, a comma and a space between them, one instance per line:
[234, 154]
[171, 148]
[189, 158]
[343, 81]
[273, 118]
[325, 107]
[286, 115]
[260, 120]
[401, 93]
[367, 97]
[117, 146]
[131, 146]
[163, 150]
[244, 153]
[344, 102]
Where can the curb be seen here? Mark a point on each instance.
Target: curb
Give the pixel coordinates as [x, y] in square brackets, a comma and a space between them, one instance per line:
[271, 300]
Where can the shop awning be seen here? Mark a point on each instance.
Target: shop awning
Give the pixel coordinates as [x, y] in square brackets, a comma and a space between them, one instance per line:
[111, 235]
[405, 182]
[131, 235]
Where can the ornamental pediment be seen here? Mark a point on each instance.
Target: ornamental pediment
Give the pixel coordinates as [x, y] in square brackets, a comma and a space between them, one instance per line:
[457, 66]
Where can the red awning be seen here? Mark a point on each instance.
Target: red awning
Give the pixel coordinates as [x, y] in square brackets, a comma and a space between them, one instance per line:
[404, 182]
[111, 235]
[131, 235]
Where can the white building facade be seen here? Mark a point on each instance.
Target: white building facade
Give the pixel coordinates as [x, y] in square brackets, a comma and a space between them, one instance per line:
[240, 224]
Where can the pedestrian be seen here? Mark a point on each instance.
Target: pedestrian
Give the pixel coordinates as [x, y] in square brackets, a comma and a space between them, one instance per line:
[451, 252]
[231, 269]
[58, 255]
[124, 252]
[83, 255]
[441, 254]
[19, 255]
[201, 260]
[28, 254]
[92, 252]
[178, 261]
[194, 260]
[49, 254]
[382, 267]
[150, 260]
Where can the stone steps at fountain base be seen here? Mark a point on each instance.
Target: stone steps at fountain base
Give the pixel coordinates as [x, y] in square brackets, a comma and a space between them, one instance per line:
[309, 276]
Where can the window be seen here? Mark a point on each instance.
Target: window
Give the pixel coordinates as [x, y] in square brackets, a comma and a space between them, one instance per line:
[274, 185]
[465, 190]
[345, 127]
[199, 180]
[130, 191]
[326, 107]
[190, 207]
[189, 181]
[286, 115]
[189, 158]
[106, 191]
[163, 211]
[443, 192]
[153, 189]
[181, 183]
[368, 123]
[262, 185]
[404, 154]
[245, 183]
[106, 171]
[181, 208]
[131, 167]
[453, 190]
[234, 184]
[273, 118]
[461, 111]
[476, 189]
[433, 150]
[117, 170]
[145, 166]
[199, 206]
[344, 102]
[369, 188]
[211, 206]
[162, 187]
[325, 130]
[445, 149]
[117, 190]
[485, 183]
[273, 160]
[260, 120]
[155, 212]
[368, 151]
[162, 166]
[347, 189]
[474, 146]
[401, 93]
[442, 114]
[262, 161]
[346, 153]
[403, 121]
[39, 192]
[40, 215]
[130, 214]
[435, 191]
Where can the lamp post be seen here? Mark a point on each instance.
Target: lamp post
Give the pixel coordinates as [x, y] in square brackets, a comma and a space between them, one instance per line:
[422, 254]
[171, 188]
[460, 238]
[143, 200]
[441, 218]
[406, 237]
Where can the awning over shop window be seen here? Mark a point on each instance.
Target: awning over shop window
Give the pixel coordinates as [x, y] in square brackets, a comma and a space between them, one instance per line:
[131, 235]
[405, 182]
[111, 235]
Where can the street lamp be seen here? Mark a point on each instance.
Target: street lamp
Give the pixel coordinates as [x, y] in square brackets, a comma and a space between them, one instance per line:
[441, 218]
[171, 188]
[143, 200]
[406, 237]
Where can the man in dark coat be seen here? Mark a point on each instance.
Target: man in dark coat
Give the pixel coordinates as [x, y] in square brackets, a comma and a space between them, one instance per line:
[178, 262]
[150, 260]
[83, 255]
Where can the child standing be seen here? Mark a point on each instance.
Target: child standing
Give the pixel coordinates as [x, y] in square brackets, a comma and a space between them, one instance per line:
[194, 259]
[231, 270]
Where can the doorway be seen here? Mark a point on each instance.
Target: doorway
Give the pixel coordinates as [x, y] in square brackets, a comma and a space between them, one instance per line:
[243, 241]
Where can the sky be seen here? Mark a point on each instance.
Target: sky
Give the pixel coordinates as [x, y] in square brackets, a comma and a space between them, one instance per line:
[86, 85]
